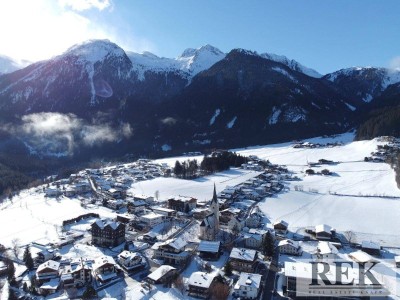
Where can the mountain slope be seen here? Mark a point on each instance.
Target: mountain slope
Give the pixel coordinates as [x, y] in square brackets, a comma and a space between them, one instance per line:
[363, 84]
[246, 99]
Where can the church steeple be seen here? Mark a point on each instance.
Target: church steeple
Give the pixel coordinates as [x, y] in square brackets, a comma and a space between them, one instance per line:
[214, 198]
[215, 208]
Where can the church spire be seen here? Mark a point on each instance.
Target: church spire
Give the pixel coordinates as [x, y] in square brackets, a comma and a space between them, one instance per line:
[214, 198]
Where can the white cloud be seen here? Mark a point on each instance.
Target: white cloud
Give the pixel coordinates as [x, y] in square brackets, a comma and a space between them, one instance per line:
[395, 63]
[81, 5]
[63, 133]
[39, 29]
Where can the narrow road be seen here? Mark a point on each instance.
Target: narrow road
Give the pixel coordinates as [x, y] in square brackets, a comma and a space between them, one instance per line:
[269, 282]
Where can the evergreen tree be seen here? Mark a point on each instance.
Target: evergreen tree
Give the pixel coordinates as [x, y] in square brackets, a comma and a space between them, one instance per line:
[228, 269]
[126, 246]
[268, 246]
[27, 259]
[10, 271]
[89, 293]
[178, 169]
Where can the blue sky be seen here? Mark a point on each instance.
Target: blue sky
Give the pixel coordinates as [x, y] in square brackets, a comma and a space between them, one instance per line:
[324, 35]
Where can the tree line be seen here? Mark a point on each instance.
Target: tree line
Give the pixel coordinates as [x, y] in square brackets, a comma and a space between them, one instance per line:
[215, 162]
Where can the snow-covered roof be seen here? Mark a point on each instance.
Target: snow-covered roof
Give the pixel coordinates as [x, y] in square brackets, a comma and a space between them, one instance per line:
[102, 223]
[201, 279]
[248, 279]
[243, 254]
[282, 222]
[209, 246]
[323, 228]
[51, 264]
[103, 260]
[51, 285]
[370, 245]
[151, 216]
[128, 255]
[361, 257]
[160, 272]
[288, 242]
[176, 243]
[326, 248]
[182, 198]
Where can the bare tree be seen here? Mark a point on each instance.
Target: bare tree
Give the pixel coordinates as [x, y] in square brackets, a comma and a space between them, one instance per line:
[15, 247]
[179, 284]
[350, 236]
[157, 194]
[219, 291]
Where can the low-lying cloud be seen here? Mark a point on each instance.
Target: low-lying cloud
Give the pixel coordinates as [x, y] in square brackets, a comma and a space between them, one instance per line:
[60, 134]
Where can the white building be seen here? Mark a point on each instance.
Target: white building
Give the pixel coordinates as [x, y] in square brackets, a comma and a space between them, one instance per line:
[289, 247]
[248, 286]
[326, 251]
[131, 260]
[151, 219]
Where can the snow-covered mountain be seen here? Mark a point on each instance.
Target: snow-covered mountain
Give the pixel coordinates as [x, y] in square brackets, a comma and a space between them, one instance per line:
[190, 63]
[9, 65]
[291, 63]
[363, 84]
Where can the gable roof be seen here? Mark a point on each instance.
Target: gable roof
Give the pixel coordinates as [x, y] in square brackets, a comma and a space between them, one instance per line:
[243, 254]
[248, 279]
[201, 279]
[209, 246]
[160, 272]
[50, 264]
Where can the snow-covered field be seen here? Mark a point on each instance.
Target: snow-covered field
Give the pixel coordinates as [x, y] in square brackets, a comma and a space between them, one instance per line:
[32, 217]
[348, 200]
[201, 188]
[375, 218]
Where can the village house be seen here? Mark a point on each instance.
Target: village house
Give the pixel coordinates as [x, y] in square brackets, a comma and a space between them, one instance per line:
[324, 232]
[209, 250]
[52, 192]
[151, 219]
[254, 220]
[182, 204]
[49, 287]
[199, 213]
[289, 247]
[107, 233]
[200, 284]
[171, 251]
[230, 222]
[248, 286]
[255, 238]
[326, 252]
[136, 206]
[281, 227]
[77, 274]
[166, 212]
[371, 248]
[147, 199]
[163, 275]
[104, 269]
[131, 261]
[47, 270]
[150, 237]
[243, 260]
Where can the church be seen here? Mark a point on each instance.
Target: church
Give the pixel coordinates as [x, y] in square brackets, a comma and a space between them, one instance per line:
[209, 227]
